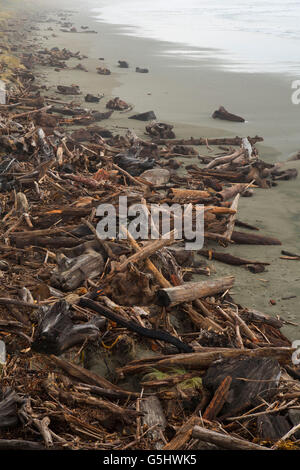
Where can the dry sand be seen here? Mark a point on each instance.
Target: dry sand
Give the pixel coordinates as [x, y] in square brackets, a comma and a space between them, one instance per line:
[186, 93]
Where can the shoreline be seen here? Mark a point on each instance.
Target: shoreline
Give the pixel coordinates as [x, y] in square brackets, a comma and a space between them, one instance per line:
[269, 211]
[101, 339]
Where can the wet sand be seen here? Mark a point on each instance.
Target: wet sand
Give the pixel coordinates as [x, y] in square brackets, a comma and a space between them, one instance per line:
[185, 93]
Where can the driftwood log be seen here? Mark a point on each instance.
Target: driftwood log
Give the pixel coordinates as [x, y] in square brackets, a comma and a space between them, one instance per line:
[71, 273]
[193, 290]
[224, 441]
[222, 113]
[253, 379]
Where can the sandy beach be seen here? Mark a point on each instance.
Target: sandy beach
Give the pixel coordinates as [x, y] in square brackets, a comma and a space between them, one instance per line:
[185, 94]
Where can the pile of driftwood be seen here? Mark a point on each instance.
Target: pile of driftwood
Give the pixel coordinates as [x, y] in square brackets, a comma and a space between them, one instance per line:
[180, 364]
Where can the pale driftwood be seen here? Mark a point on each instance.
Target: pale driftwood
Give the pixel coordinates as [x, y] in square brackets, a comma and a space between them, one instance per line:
[153, 417]
[193, 290]
[224, 441]
[226, 159]
[57, 333]
[232, 217]
[149, 249]
[163, 282]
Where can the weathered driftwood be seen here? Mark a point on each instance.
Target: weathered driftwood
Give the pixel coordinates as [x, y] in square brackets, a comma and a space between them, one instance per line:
[57, 333]
[85, 376]
[148, 250]
[147, 116]
[153, 418]
[228, 259]
[195, 194]
[133, 326]
[193, 290]
[71, 273]
[244, 238]
[212, 141]
[232, 217]
[224, 441]
[253, 379]
[222, 113]
[225, 159]
[202, 360]
[232, 191]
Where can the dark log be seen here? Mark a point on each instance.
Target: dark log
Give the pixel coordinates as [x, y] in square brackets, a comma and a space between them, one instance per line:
[239, 223]
[272, 427]
[243, 238]
[224, 441]
[142, 70]
[71, 273]
[9, 404]
[19, 444]
[57, 333]
[229, 259]
[193, 290]
[256, 268]
[147, 116]
[222, 113]
[253, 378]
[133, 326]
[123, 64]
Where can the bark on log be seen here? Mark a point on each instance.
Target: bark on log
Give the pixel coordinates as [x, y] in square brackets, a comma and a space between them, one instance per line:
[232, 191]
[193, 290]
[154, 416]
[218, 399]
[228, 259]
[202, 360]
[243, 238]
[224, 441]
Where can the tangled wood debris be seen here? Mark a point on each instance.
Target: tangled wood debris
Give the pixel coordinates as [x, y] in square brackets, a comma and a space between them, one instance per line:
[179, 362]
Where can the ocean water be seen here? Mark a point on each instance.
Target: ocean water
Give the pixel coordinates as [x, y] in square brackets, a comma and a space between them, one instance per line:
[242, 35]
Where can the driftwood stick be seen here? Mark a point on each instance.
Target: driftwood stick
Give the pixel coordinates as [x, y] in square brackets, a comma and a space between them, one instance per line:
[149, 250]
[193, 290]
[163, 282]
[224, 440]
[232, 217]
[218, 400]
